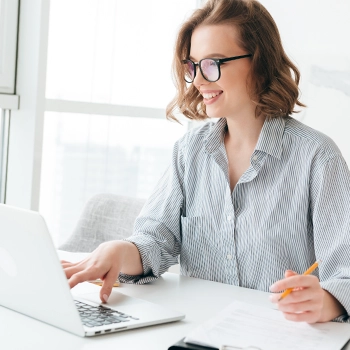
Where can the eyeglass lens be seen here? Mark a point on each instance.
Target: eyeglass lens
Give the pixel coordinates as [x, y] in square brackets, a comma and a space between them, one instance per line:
[189, 71]
[209, 69]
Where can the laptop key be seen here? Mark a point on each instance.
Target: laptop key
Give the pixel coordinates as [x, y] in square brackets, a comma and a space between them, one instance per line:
[107, 322]
[97, 315]
[120, 319]
[87, 324]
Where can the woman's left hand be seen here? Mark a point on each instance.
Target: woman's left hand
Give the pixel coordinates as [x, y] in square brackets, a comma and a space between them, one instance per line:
[305, 303]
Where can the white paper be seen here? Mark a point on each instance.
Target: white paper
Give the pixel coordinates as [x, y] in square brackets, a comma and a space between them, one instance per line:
[243, 325]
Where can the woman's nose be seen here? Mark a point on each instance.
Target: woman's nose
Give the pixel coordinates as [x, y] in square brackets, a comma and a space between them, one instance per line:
[199, 79]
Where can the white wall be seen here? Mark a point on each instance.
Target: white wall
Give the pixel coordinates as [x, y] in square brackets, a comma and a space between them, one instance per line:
[315, 34]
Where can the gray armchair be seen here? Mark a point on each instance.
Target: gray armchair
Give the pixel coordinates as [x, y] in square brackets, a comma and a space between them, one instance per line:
[105, 217]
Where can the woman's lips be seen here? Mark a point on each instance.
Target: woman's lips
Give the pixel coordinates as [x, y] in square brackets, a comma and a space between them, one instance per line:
[211, 100]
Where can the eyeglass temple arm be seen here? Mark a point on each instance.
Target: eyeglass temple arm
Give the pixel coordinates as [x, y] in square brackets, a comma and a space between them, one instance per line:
[223, 60]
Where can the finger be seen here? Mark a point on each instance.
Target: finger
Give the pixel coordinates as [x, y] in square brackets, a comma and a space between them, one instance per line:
[82, 276]
[304, 306]
[298, 295]
[64, 261]
[71, 270]
[309, 317]
[66, 264]
[290, 273]
[305, 294]
[294, 282]
[108, 282]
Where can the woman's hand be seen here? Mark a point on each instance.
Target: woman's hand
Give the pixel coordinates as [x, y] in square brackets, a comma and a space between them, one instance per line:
[106, 262]
[308, 302]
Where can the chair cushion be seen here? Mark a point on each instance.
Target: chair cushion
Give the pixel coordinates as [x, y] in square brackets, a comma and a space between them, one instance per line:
[105, 217]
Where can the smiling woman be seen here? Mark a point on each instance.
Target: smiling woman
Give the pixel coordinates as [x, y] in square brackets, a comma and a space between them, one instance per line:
[251, 199]
[273, 79]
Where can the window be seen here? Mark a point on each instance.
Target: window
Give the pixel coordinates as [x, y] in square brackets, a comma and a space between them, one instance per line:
[88, 154]
[108, 83]
[8, 44]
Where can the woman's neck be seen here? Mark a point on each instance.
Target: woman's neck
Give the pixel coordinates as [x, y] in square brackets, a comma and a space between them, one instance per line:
[244, 132]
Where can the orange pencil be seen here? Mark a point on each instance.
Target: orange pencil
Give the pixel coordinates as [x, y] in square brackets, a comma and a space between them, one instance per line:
[99, 282]
[307, 272]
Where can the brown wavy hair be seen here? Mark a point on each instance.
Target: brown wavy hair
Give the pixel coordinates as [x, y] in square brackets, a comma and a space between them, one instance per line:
[275, 79]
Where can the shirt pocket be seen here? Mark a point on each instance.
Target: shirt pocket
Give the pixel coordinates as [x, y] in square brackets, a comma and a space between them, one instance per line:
[200, 245]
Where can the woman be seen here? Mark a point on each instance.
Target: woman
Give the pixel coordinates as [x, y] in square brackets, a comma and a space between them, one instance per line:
[253, 199]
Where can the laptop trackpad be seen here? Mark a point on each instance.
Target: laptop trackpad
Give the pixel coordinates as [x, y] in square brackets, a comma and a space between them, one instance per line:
[145, 310]
[116, 299]
[123, 303]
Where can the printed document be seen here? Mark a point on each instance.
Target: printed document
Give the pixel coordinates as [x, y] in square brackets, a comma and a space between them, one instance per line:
[243, 325]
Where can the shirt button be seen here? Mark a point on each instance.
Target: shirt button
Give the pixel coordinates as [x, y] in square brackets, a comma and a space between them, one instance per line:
[255, 158]
[229, 257]
[229, 217]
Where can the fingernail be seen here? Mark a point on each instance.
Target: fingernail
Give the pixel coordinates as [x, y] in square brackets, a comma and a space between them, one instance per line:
[273, 288]
[105, 297]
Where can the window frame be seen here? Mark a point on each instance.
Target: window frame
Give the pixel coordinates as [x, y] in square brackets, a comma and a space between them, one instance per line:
[27, 123]
[8, 45]
[4, 136]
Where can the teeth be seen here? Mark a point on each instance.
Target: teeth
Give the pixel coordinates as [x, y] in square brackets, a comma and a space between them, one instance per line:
[210, 95]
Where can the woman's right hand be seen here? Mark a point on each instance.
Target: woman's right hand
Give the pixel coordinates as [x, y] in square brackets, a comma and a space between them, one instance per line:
[106, 262]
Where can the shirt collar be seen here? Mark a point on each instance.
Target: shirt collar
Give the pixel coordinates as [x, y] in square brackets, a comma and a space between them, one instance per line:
[216, 136]
[270, 138]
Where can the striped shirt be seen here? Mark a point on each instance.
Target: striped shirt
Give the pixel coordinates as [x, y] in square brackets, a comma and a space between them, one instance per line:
[289, 208]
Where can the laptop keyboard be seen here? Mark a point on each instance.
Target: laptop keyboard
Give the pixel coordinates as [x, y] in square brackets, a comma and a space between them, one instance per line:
[93, 316]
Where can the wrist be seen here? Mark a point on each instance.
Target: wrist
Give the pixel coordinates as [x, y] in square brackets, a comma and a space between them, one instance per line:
[129, 257]
[331, 309]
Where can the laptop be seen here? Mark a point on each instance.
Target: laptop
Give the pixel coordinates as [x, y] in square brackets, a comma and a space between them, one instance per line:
[34, 284]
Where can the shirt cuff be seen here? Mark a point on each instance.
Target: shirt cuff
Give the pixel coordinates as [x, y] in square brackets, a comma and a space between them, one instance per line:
[150, 259]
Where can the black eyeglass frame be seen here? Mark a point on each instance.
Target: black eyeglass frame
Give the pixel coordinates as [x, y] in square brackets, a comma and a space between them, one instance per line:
[218, 61]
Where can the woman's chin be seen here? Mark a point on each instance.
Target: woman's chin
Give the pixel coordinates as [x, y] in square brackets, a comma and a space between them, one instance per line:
[213, 114]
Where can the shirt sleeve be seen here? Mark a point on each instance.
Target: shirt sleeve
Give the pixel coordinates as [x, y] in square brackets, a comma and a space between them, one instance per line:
[157, 230]
[330, 210]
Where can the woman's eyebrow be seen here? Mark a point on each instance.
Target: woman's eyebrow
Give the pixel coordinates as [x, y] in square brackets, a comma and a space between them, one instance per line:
[212, 55]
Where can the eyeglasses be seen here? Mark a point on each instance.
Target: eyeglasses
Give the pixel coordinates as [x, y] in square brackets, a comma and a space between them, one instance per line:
[230, 347]
[209, 67]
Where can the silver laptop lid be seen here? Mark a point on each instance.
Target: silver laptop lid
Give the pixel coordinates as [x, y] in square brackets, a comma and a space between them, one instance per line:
[32, 281]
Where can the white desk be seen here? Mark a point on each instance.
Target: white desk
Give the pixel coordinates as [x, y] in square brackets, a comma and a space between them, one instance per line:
[199, 299]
